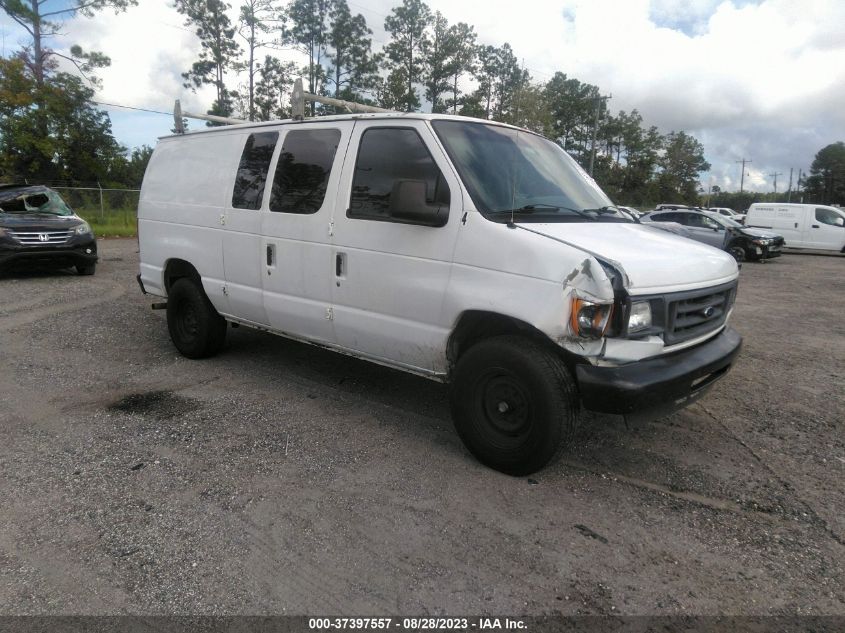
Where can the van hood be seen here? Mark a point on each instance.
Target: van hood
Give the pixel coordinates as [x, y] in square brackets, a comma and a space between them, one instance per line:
[651, 260]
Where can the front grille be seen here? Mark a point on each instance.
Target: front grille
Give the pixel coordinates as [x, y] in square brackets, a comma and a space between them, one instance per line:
[693, 314]
[41, 238]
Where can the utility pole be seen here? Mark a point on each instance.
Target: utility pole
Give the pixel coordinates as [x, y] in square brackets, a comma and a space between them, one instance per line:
[798, 185]
[742, 175]
[598, 99]
[789, 191]
[775, 176]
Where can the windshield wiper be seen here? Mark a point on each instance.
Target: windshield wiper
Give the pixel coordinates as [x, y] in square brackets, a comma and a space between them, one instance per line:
[613, 211]
[606, 210]
[540, 206]
[530, 208]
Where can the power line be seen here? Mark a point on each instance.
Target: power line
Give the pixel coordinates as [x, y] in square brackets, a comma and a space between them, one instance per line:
[126, 107]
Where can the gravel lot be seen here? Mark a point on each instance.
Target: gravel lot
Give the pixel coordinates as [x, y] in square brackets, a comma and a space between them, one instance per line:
[282, 479]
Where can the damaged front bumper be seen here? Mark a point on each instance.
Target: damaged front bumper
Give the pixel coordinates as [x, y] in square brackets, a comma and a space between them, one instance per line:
[660, 385]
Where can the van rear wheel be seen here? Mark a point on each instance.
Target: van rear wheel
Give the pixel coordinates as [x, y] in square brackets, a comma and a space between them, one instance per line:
[196, 328]
[514, 404]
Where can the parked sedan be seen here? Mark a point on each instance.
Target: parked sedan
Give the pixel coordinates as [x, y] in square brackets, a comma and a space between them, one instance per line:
[741, 242]
[37, 227]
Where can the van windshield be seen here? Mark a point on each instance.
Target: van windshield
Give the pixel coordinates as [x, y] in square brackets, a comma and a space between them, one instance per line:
[514, 173]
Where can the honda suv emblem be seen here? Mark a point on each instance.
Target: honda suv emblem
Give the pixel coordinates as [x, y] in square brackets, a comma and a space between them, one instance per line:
[42, 237]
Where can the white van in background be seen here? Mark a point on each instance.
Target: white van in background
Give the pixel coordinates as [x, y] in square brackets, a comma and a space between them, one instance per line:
[466, 251]
[813, 226]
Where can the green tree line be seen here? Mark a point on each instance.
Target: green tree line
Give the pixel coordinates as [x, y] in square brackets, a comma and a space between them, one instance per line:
[50, 130]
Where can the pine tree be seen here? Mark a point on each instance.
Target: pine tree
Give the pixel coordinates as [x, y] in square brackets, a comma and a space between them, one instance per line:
[439, 51]
[464, 55]
[219, 51]
[308, 31]
[353, 66]
[275, 80]
[254, 27]
[407, 25]
[42, 19]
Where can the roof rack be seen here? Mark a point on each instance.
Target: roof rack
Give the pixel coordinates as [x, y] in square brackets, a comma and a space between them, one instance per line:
[297, 99]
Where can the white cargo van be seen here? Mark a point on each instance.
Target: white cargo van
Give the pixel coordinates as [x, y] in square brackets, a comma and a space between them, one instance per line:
[813, 226]
[462, 250]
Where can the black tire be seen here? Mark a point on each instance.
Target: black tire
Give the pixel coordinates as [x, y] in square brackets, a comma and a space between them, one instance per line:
[514, 404]
[196, 328]
[737, 252]
[88, 269]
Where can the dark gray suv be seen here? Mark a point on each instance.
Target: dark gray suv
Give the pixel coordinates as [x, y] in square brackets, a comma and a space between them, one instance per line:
[742, 242]
[37, 228]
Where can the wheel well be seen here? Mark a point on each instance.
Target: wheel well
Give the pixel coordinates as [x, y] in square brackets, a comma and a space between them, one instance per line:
[477, 325]
[177, 269]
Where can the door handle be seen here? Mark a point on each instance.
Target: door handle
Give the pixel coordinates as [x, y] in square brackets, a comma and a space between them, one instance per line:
[815, 226]
[340, 265]
[270, 254]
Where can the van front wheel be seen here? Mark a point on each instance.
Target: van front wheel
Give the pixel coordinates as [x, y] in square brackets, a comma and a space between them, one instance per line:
[514, 404]
[196, 329]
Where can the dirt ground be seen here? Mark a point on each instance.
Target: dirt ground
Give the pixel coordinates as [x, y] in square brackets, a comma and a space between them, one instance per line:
[282, 479]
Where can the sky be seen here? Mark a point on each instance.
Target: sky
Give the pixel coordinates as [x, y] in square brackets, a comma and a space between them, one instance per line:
[762, 80]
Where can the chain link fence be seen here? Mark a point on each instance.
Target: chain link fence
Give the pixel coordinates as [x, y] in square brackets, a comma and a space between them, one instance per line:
[111, 211]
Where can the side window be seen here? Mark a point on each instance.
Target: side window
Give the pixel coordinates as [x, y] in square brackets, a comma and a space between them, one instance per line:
[701, 221]
[390, 159]
[252, 170]
[828, 216]
[709, 223]
[303, 170]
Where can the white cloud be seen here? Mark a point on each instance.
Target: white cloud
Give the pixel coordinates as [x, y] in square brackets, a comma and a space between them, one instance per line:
[756, 79]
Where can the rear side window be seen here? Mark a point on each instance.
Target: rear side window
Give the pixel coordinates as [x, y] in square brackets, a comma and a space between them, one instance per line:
[666, 217]
[386, 157]
[252, 170]
[827, 216]
[303, 170]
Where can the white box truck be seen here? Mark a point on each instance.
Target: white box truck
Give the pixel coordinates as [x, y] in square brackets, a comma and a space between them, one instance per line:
[466, 251]
[810, 226]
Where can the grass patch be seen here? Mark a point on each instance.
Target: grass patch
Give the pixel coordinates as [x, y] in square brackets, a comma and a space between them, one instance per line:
[112, 223]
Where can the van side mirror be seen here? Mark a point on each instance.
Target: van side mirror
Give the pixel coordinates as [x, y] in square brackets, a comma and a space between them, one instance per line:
[839, 222]
[408, 203]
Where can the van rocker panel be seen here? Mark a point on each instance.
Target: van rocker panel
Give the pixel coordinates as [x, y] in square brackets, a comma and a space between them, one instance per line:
[662, 384]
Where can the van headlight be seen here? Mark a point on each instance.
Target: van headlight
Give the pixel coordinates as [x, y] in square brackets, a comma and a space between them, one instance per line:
[640, 317]
[589, 319]
[82, 229]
